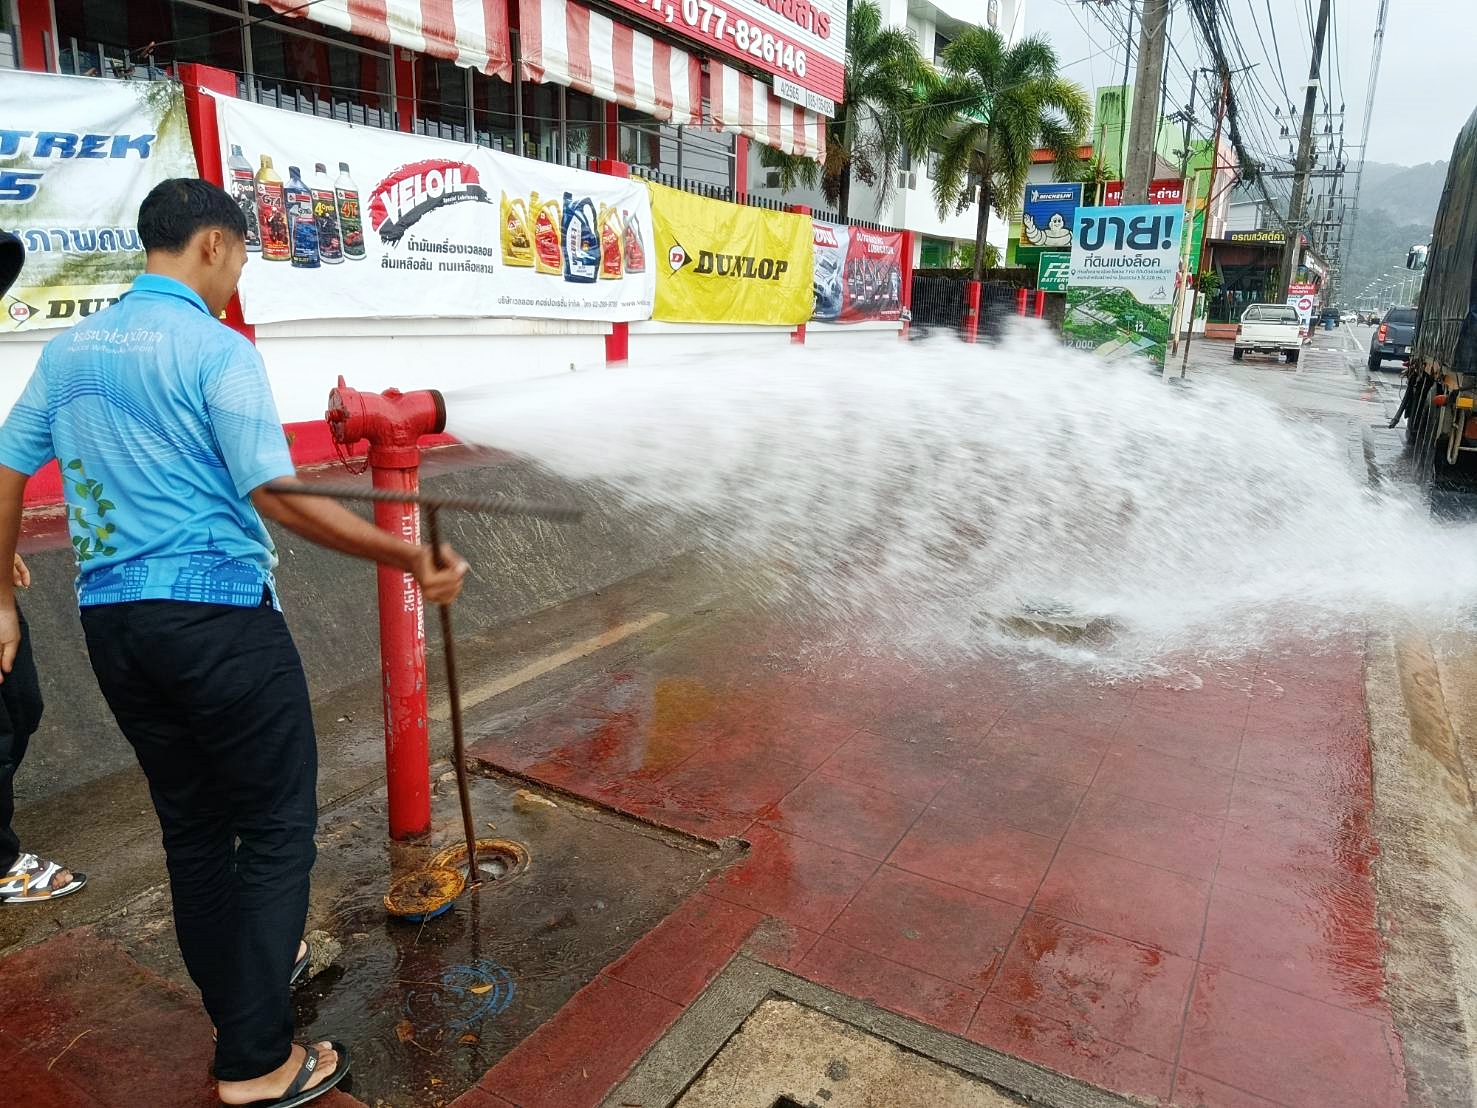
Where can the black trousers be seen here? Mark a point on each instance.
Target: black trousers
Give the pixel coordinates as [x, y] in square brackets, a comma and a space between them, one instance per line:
[214, 701]
[20, 715]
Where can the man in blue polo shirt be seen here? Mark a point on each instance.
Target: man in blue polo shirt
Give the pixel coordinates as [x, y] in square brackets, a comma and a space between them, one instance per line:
[164, 425]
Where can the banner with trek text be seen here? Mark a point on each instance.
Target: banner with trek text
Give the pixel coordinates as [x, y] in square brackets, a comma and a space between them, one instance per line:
[728, 263]
[77, 157]
[353, 222]
[858, 273]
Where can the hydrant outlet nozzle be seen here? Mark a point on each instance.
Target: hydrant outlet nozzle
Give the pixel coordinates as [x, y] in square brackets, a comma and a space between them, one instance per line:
[391, 422]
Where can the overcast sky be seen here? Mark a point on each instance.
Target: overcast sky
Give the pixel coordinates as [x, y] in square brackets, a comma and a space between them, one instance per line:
[1427, 81]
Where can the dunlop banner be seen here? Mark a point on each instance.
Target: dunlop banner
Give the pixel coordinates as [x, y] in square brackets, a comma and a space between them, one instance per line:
[727, 263]
[77, 157]
[350, 222]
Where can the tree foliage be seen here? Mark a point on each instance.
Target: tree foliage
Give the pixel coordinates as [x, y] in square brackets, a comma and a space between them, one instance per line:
[865, 141]
[986, 112]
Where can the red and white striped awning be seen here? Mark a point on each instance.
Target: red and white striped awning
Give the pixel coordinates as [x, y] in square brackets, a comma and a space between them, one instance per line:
[564, 42]
[746, 105]
[472, 33]
[570, 45]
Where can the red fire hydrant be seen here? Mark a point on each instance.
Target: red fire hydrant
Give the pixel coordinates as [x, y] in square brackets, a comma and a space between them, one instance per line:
[392, 422]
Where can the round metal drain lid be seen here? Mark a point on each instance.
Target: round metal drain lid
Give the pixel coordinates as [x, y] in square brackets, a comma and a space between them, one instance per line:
[498, 860]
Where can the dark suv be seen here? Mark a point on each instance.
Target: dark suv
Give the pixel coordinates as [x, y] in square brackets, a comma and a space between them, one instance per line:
[1392, 338]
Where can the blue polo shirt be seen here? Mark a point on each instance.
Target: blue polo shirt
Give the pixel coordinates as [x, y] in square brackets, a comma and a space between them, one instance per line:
[163, 423]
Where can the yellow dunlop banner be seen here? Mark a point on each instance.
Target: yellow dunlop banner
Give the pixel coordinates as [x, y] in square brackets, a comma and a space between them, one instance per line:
[727, 263]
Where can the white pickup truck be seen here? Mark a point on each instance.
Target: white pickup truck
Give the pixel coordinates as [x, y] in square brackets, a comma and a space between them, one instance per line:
[1269, 329]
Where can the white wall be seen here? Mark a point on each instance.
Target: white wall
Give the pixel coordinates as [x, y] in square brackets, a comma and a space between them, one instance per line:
[304, 359]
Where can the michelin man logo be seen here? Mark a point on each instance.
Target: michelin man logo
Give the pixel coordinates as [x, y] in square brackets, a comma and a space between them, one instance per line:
[1056, 234]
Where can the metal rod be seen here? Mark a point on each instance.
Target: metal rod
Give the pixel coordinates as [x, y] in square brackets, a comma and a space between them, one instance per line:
[454, 695]
[485, 505]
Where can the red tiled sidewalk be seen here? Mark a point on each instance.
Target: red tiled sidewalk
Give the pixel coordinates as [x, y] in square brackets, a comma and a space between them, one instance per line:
[130, 1040]
[1163, 892]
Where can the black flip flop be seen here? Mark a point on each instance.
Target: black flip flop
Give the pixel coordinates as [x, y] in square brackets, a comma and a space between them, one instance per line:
[296, 1094]
[300, 967]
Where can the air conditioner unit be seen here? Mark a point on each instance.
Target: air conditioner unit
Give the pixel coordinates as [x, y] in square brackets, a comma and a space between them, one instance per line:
[771, 178]
[907, 179]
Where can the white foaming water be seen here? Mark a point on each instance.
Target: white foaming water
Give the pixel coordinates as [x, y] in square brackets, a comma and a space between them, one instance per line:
[920, 493]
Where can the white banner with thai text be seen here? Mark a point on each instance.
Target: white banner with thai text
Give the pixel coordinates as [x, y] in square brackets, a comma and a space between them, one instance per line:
[77, 157]
[347, 221]
[1135, 248]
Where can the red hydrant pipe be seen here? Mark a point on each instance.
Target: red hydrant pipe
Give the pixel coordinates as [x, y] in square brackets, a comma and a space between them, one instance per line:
[392, 422]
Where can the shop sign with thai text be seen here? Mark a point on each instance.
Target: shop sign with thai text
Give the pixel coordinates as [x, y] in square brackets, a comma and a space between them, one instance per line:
[801, 43]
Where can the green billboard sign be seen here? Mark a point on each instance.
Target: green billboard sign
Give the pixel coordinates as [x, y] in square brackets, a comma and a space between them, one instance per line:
[1051, 271]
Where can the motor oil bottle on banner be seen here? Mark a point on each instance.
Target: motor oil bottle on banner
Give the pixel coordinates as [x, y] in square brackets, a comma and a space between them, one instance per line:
[271, 210]
[243, 190]
[517, 235]
[325, 211]
[548, 256]
[581, 240]
[346, 198]
[610, 243]
[635, 252]
[301, 221]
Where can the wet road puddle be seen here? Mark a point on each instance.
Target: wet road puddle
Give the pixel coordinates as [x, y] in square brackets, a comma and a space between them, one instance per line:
[428, 1008]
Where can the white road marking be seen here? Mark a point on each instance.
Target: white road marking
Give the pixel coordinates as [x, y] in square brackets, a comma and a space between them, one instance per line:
[441, 712]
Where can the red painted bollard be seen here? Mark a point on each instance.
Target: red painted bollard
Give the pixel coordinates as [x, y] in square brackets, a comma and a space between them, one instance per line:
[392, 423]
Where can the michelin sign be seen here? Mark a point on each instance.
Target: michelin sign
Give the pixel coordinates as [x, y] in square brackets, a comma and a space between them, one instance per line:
[1136, 249]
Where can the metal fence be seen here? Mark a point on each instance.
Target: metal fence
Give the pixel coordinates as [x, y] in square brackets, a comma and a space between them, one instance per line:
[939, 299]
[309, 103]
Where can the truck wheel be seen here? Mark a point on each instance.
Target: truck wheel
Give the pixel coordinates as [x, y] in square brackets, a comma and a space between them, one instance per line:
[1292, 356]
[1375, 361]
[1418, 411]
[1237, 353]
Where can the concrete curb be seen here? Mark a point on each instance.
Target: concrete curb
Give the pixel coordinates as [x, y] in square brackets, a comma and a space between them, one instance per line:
[676, 1059]
[1426, 874]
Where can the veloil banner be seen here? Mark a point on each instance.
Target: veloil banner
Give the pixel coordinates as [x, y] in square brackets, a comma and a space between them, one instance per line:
[77, 157]
[727, 263]
[354, 222]
[858, 274]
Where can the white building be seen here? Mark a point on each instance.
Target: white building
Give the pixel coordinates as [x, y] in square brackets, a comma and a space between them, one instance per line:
[910, 206]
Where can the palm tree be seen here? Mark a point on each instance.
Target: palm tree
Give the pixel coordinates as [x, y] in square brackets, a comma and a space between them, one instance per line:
[994, 104]
[865, 140]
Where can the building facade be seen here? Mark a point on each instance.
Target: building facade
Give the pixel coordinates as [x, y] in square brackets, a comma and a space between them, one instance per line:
[556, 80]
[908, 203]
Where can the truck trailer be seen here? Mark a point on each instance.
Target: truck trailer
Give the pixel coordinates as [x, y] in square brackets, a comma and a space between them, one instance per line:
[1440, 397]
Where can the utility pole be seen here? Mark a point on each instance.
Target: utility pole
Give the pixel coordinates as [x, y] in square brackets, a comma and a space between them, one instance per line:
[1123, 97]
[1210, 198]
[1189, 122]
[1143, 135]
[1294, 246]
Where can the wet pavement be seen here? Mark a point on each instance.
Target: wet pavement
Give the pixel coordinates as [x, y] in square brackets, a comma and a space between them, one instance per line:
[1165, 892]
[1161, 887]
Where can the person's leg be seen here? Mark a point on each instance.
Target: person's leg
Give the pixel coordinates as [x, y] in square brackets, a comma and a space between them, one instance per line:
[13, 743]
[20, 715]
[214, 701]
[258, 730]
[192, 820]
